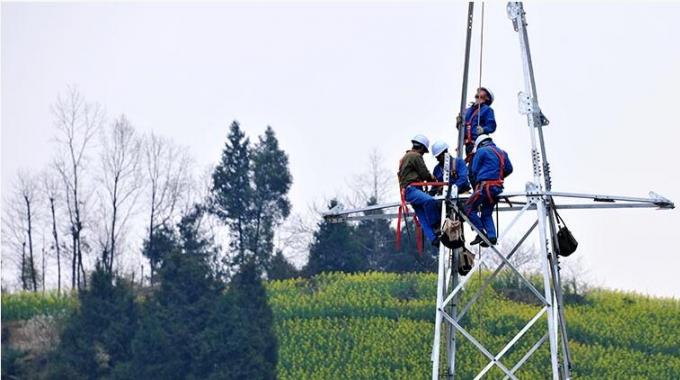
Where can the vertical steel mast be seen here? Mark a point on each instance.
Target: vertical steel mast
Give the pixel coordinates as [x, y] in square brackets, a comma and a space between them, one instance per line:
[451, 258]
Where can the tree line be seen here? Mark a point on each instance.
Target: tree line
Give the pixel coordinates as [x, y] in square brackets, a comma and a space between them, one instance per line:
[105, 177]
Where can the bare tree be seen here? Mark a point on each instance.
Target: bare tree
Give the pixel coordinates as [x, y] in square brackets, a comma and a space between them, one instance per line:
[374, 185]
[167, 169]
[14, 238]
[43, 254]
[575, 275]
[51, 191]
[19, 227]
[77, 122]
[120, 177]
[27, 189]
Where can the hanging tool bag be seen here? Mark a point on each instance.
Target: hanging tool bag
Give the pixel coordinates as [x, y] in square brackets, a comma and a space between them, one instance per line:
[452, 234]
[566, 242]
[466, 261]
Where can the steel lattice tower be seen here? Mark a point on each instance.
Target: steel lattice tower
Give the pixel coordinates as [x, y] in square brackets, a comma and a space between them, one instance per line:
[537, 204]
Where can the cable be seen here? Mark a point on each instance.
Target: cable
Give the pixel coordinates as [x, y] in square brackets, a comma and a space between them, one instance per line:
[481, 55]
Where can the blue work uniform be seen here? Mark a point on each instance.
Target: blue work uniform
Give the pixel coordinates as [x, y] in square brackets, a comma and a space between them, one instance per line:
[459, 177]
[478, 115]
[490, 166]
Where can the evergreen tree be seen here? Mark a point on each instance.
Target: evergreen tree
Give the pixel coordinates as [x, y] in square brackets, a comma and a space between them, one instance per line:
[231, 192]
[163, 243]
[249, 193]
[270, 204]
[98, 335]
[239, 342]
[335, 248]
[176, 315]
[280, 268]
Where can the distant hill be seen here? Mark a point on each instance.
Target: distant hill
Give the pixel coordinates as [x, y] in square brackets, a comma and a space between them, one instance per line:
[380, 326]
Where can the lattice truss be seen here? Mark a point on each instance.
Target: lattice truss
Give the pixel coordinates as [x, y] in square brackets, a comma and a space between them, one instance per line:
[534, 207]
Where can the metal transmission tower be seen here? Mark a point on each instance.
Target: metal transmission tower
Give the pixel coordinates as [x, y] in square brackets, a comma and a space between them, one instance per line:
[537, 204]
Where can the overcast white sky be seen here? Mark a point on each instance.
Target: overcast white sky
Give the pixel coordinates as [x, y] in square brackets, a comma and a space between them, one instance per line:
[336, 80]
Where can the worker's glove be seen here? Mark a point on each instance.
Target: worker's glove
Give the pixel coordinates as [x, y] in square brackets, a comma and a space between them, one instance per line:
[459, 122]
[480, 130]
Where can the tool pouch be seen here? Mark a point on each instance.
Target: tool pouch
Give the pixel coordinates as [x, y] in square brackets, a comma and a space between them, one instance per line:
[452, 234]
[466, 261]
[566, 242]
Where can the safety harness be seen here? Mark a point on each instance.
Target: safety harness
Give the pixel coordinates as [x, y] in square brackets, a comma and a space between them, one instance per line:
[468, 127]
[486, 184]
[404, 213]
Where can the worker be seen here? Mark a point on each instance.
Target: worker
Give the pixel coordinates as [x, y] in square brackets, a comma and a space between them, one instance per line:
[490, 166]
[479, 119]
[458, 173]
[412, 169]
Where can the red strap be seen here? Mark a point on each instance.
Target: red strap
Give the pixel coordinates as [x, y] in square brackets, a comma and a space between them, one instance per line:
[501, 158]
[403, 211]
[468, 127]
[425, 183]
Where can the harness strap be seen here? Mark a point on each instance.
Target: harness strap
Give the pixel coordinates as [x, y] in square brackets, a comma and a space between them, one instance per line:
[468, 127]
[403, 211]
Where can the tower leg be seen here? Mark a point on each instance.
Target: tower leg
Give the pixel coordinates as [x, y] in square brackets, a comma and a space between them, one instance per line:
[548, 288]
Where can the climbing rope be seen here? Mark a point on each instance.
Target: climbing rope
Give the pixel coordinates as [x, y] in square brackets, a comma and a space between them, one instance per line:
[481, 56]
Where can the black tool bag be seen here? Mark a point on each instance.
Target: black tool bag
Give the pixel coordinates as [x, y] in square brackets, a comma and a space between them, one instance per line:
[466, 261]
[566, 241]
[452, 234]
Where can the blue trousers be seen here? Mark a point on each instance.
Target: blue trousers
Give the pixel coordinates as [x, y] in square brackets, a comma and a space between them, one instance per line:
[483, 199]
[426, 208]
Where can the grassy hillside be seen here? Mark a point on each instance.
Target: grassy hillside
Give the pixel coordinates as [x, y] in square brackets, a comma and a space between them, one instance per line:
[379, 326]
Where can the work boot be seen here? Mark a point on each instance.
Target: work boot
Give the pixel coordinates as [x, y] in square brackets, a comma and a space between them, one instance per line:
[477, 240]
[492, 240]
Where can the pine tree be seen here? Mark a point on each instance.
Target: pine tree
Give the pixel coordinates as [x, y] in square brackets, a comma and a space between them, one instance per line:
[249, 193]
[280, 268]
[175, 316]
[253, 339]
[231, 192]
[335, 248]
[271, 183]
[98, 337]
[163, 243]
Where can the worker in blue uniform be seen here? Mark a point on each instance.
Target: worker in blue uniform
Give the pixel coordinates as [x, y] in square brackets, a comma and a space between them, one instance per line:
[458, 173]
[490, 166]
[479, 119]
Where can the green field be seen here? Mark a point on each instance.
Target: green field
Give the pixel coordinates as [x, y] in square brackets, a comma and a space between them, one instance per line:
[380, 326]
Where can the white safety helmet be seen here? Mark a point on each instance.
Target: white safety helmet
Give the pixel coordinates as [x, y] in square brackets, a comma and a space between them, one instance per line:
[479, 140]
[491, 97]
[422, 140]
[438, 147]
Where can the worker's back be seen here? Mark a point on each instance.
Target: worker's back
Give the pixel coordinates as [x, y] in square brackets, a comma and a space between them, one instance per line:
[486, 165]
[412, 168]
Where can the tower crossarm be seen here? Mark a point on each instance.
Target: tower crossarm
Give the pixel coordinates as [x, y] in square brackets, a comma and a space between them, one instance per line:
[515, 201]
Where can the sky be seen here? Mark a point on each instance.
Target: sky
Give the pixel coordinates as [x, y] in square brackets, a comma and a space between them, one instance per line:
[338, 80]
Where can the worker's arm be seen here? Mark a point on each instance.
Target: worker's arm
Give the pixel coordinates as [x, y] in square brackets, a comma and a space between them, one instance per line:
[489, 124]
[507, 170]
[438, 174]
[462, 173]
[477, 161]
[421, 169]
